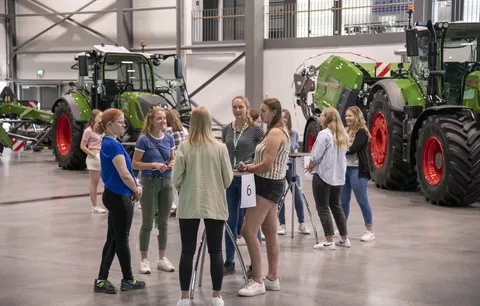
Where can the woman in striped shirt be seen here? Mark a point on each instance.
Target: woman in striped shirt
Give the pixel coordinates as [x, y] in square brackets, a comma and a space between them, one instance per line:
[269, 168]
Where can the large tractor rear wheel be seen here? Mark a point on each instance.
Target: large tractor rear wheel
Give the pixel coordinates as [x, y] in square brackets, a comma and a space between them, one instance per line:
[310, 135]
[447, 169]
[67, 139]
[388, 170]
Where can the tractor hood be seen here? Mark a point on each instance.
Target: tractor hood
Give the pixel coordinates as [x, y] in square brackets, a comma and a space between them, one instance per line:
[135, 106]
[471, 95]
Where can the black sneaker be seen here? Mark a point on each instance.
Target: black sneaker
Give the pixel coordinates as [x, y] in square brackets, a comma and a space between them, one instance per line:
[132, 284]
[104, 286]
[228, 268]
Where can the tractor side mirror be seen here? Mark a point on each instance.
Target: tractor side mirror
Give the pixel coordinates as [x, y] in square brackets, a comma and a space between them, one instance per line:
[82, 65]
[178, 68]
[412, 42]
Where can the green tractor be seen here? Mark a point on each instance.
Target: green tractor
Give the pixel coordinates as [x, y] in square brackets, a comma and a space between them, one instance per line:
[423, 121]
[113, 77]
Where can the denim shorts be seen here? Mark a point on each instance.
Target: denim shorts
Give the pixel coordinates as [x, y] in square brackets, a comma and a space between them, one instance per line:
[269, 189]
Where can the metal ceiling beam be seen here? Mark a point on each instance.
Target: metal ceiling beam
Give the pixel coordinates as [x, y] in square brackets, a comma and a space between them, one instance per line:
[65, 13]
[52, 26]
[139, 9]
[125, 23]
[72, 20]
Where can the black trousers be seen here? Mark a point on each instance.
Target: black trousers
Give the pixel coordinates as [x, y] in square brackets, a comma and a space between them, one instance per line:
[120, 215]
[327, 196]
[188, 234]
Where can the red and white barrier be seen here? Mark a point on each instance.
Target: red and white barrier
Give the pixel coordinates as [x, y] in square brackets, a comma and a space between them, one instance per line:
[18, 145]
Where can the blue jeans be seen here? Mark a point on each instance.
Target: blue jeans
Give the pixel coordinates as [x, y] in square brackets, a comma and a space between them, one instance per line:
[235, 216]
[359, 187]
[298, 199]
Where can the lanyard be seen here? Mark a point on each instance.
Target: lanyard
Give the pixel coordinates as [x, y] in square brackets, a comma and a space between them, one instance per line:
[235, 141]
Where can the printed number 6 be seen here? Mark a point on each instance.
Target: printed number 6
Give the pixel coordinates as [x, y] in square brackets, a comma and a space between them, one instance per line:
[249, 191]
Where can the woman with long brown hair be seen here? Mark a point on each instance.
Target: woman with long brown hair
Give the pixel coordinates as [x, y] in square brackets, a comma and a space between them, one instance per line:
[328, 165]
[202, 173]
[120, 188]
[154, 156]
[269, 167]
[358, 174]
[91, 144]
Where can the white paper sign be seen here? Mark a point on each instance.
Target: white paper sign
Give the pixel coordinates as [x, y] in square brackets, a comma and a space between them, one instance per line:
[307, 175]
[248, 191]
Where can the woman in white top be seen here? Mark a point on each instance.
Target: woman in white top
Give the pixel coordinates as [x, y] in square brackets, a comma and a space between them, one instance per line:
[269, 168]
[91, 144]
[329, 165]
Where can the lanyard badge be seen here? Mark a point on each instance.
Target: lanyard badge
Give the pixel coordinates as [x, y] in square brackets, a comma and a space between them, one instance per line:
[235, 142]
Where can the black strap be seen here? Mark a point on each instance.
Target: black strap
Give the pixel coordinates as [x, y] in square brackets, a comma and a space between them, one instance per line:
[159, 150]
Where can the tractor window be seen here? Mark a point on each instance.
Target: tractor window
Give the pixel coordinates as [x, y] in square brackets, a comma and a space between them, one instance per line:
[460, 50]
[172, 89]
[419, 67]
[128, 72]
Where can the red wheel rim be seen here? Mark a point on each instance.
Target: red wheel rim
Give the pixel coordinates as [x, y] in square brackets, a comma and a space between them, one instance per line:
[311, 141]
[379, 141]
[63, 135]
[432, 160]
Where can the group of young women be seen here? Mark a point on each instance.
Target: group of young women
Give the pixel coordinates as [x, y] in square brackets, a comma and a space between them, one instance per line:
[184, 164]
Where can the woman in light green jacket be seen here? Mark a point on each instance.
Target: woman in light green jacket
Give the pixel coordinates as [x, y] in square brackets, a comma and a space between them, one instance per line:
[201, 174]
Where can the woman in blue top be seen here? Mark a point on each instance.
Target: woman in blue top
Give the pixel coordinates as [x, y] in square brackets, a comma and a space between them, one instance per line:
[287, 119]
[120, 188]
[154, 156]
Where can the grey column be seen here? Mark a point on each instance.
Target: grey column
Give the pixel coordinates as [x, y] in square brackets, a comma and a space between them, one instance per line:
[11, 38]
[254, 28]
[124, 24]
[457, 10]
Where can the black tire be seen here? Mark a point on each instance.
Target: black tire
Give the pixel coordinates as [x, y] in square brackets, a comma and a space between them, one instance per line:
[447, 158]
[67, 136]
[387, 168]
[311, 132]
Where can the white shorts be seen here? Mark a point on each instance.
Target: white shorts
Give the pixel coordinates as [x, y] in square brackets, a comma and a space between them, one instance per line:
[93, 163]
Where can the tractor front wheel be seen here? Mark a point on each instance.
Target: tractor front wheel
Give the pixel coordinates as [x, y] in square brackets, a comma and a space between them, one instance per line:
[310, 135]
[67, 139]
[444, 162]
[388, 170]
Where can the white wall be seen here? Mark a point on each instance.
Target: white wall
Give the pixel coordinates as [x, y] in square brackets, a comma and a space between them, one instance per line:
[279, 67]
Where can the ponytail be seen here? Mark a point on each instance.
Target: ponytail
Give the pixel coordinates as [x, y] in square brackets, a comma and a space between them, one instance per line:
[99, 128]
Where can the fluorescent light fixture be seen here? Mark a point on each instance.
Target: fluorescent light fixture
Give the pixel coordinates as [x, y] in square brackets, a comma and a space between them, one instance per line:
[130, 70]
[127, 62]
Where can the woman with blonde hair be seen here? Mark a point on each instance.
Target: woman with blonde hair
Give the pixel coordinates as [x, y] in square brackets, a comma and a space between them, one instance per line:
[241, 136]
[358, 174]
[202, 173]
[154, 156]
[328, 166]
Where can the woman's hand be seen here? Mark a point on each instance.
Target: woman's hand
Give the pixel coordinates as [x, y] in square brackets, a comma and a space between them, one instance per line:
[137, 195]
[160, 167]
[242, 167]
[309, 168]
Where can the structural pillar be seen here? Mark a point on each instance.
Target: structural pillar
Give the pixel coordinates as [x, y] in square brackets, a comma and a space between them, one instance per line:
[457, 10]
[11, 37]
[254, 30]
[124, 24]
[423, 10]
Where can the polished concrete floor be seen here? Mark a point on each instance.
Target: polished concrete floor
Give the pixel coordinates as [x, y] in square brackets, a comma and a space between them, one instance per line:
[50, 248]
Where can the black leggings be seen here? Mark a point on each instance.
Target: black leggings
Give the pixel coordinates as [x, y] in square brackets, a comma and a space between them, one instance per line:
[120, 215]
[188, 234]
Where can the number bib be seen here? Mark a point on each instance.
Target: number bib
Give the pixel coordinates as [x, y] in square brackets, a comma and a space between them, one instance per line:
[248, 191]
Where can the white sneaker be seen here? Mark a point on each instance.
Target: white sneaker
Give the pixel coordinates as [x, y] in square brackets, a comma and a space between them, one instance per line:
[302, 228]
[263, 236]
[165, 265]
[271, 285]
[325, 246]
[98, 210]
[368, 236]
[241, 241]
[217, 301]
[145, 266]
[281, 229]
[344, 244]
[184, 302]
[252, 289]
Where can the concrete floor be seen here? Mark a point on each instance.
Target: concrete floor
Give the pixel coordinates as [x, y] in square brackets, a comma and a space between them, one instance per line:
[50, 250]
